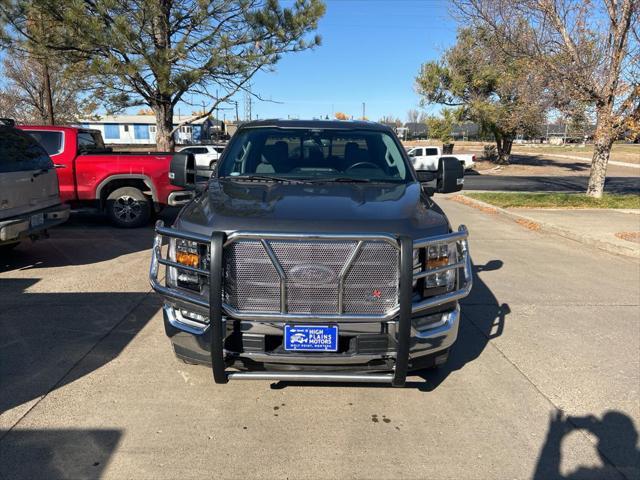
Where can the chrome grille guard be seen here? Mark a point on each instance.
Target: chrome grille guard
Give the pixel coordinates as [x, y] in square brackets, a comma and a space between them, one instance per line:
[463, 263]
[403, 310]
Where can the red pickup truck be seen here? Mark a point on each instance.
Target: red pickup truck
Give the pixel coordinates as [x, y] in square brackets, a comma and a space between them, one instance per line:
[127, 186]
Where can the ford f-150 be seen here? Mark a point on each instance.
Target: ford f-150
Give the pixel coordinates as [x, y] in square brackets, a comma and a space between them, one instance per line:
[314, 253]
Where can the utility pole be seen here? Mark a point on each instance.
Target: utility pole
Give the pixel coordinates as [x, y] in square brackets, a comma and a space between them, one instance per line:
[47, 92]
[363, 115]
[237, 116]
[247, 103]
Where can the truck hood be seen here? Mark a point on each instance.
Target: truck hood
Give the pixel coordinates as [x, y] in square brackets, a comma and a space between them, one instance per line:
[229, 206]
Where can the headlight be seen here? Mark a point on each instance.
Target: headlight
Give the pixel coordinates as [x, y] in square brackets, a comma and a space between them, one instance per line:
[186, 253]
[436, 256]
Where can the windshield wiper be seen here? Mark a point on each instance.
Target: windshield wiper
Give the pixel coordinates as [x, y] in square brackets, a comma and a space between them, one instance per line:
[342, 180]
[271, 178]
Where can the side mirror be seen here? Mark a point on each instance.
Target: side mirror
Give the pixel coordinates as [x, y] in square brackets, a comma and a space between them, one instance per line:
[182, 172]
[450, 175]
[425, 176]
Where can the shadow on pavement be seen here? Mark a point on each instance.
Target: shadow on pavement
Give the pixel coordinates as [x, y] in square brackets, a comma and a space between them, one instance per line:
[542, 161]
[616, 445]
[51, 454]
[85, 239]
[483, 318]
[52, 339]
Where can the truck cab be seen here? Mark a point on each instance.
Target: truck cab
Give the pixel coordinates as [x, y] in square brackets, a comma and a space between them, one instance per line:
[315, 252]
[29, 196]
[427, 158]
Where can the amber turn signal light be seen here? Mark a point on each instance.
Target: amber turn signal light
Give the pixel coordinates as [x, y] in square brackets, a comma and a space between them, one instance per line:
[188, 259]
[437, 262]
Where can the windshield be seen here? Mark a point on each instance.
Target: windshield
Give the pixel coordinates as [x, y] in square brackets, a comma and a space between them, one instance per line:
[315, 154]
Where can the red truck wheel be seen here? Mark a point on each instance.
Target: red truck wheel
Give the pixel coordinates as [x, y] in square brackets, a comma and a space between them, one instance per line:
[127, 207]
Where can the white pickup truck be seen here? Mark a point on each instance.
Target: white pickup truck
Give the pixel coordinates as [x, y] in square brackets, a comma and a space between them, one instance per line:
[426, 158]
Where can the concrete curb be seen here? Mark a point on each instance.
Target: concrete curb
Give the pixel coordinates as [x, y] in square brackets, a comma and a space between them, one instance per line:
[630, 251]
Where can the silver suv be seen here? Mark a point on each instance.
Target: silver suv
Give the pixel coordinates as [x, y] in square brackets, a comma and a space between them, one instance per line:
[29, 197]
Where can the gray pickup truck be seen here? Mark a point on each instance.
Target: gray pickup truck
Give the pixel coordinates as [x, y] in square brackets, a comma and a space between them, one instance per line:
[29, 195]
[314, 252]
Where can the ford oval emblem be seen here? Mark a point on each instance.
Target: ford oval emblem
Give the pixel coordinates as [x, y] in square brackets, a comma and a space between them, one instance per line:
[312, 274]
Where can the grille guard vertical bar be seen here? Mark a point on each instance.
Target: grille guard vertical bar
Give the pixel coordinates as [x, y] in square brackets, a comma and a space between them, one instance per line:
[404, 320]
[215, 308]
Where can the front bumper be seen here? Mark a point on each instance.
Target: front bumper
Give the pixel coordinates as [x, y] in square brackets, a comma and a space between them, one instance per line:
[22, 226]
[384, 349]
[366, 347]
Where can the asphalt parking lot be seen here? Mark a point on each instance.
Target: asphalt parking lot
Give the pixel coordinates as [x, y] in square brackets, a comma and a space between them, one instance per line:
[544, 381]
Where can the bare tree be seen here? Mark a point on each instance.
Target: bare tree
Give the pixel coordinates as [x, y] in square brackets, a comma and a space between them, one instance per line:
[588, 51]
[413, 115]
[39, 93]
[390, 119]
[9, 104]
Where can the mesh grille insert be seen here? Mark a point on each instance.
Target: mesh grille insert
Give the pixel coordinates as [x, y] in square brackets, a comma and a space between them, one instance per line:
[312, 269]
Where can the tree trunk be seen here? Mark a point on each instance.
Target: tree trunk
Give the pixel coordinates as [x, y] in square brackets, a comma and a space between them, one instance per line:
[48, 96]
[164, 124]
[503, 144]
[602, 142]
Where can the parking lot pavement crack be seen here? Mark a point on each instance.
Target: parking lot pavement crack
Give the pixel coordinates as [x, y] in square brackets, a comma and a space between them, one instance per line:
[60, 381]
[542, 394]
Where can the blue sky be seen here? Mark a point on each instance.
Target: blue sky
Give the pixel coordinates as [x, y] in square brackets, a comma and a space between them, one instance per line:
[371, 52]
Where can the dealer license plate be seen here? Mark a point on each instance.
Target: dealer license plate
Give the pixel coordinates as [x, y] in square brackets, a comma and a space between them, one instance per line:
[311, 338]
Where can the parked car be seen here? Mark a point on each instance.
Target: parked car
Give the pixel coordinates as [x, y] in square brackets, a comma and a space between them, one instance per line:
[206, 155]
[320, 229]
[426, 158]
[29, 197]
[127, 186]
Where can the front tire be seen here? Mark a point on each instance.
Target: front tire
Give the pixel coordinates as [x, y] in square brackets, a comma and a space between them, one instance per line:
[128, 207]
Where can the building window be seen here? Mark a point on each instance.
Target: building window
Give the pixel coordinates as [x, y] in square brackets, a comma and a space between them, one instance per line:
[152, 128]
[112, 131]
[126, 128]
[141, 132]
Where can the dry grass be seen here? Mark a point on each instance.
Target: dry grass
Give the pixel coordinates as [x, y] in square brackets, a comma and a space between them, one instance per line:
[528, 224]
[470, 203]
[557, 200]
[629, 236]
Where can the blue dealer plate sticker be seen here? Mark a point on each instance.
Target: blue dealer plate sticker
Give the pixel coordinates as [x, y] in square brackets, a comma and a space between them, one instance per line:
[311, 338]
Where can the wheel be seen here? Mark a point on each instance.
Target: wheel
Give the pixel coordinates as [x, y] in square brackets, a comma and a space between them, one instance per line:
[7, 247]
[127, 207]
[212, 165]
